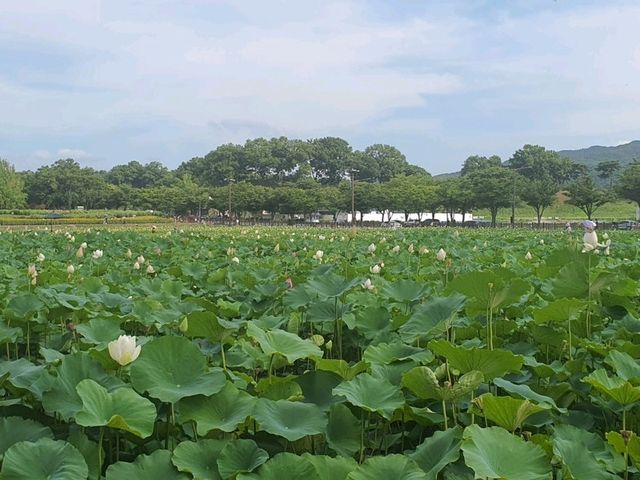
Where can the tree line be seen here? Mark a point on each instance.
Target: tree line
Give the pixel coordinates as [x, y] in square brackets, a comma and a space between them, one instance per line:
[290, 176]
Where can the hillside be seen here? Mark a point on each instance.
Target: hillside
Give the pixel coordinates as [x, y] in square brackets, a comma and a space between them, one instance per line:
[625, 154]
[591, 156]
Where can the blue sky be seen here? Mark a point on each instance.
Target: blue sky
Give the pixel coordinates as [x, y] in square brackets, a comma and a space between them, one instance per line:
[107, 82]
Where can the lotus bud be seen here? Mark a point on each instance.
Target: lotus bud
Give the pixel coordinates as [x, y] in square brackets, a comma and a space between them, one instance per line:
[396, 249]
[411, 248]
[129, 253]
[329, 345]
[318, 255]
[542, 241]
[231, 252]
[124, 349]
[140, 260]
[528, 256]
[318, 340]
[371, 248]
[83, 245]
[150, 270]
[184, 325]
[235, 260]
[441, 255]
[32, 271]
[375, 269]
[71, 269]
[136, 266]
[80, 252]
[367, 285]
[276, 249]
[40, 257]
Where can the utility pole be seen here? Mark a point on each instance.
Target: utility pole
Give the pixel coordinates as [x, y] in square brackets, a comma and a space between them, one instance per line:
[353, 196]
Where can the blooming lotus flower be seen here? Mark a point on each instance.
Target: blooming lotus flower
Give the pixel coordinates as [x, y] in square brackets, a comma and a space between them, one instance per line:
[367, 285]
[40, 257]
[318, 255]
[235, 260]
[124, 349]
[371, 248]
[375, 269]
[423, 250]
[396, 249]
[83, 245]
[411, 248]
[441, 255]
[321, 237]
[231, 252]
[32, 271]
[528, 256]
[71, 269]
[140, 260]
[97, 254]
[150, 270]
[136, 266]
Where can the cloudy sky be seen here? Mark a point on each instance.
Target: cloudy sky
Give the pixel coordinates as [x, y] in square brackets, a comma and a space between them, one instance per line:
[107, 82]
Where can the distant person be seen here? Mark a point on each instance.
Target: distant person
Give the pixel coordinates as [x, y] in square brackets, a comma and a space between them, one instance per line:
[568, 228]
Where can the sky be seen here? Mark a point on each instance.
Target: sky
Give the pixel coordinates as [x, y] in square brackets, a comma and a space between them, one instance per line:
[108, 82]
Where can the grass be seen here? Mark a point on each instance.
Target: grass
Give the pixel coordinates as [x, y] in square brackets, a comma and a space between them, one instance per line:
[561, 211]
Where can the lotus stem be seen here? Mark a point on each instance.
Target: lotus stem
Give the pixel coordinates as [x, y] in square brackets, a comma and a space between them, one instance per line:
[444, 412]
[100, 459]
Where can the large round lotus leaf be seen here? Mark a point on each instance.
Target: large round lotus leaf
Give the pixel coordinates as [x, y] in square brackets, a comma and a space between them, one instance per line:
[89, 451]
[23, 306]
[615, 387]
[396, 351]
[171, 368]
[330, 468]
[283, 466]
[507, 412]
[390, 467]
[16, 429]
[156, 466]
[222, 411]
[9, 334]
[291, 420]
[438, 451]
[492, 363]
[200, 459]
[625, 366]
[584, 454]
[330, 285]
[495, 453]
[404, 291]
[284, 343]
[44, 459]
[317, 386]
[373, 394]
[99, 331]
[123, 409]
[240, 456]
[432, 318]
[63, 397]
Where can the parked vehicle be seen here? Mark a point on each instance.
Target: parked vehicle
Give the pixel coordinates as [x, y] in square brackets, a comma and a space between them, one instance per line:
[430, 222]
[624, 225]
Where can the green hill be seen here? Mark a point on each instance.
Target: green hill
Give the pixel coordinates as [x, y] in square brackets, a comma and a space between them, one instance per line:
[625, 154]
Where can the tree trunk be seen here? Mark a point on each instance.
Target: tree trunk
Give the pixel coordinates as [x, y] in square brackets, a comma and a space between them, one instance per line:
[494, 214]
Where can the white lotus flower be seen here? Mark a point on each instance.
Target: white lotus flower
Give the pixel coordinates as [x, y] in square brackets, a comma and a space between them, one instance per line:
[140, 260]
[129, 253]
[136, 266]
[124, 349]
[528, 256]
[150, 270]
[441, 255]
[396, 249]
[423, 250]
[321, 237]
[231, 252]
[542, 241]
[318, 255]
[276, 249]
[32, 271]
[71, 269]
[235, 260]
[371, 248]
[411, 248]
[80, 252]
[375, 269]
[40, 257]
[83, 245]
[97, 254]
[367, 285]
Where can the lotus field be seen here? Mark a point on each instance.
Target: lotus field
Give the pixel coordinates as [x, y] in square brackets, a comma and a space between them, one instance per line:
[318, 354]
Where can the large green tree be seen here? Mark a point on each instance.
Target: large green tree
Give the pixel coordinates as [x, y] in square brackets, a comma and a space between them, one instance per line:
[607, 171]
[12, 193]
[491, 189]
[629, 183]
[586, 195]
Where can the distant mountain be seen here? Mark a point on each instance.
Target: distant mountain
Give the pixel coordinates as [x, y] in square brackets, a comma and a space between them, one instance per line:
[625, 154]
